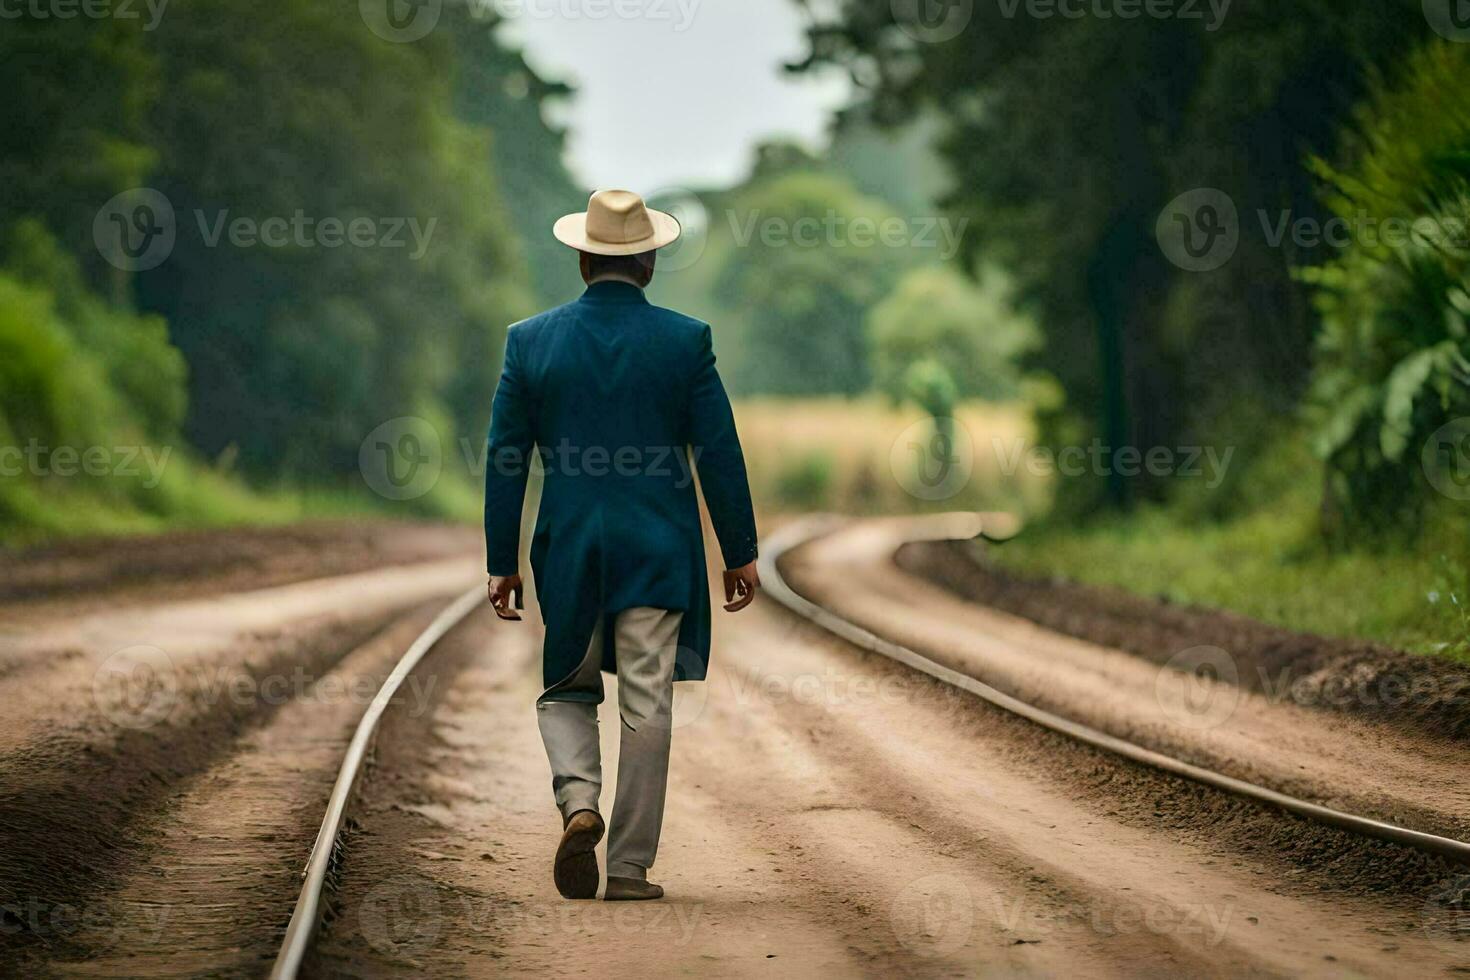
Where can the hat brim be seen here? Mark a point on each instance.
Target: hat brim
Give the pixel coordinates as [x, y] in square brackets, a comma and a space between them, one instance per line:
[571, 230]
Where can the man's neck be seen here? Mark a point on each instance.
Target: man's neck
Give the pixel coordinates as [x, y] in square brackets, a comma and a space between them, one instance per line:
[614, 277]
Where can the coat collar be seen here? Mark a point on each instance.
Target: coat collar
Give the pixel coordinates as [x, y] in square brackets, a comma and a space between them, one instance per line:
[612, 291]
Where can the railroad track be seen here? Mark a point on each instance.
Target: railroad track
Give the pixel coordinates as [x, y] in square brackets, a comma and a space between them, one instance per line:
[307, 912]
[949, 527]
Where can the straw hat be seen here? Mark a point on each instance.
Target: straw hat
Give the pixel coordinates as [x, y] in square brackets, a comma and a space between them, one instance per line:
[617, 223]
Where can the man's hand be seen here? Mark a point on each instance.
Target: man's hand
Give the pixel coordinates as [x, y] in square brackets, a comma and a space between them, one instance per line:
[740, 586]
[501, 589]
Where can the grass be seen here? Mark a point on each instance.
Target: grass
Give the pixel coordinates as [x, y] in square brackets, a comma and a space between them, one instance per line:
[854, 456]
[1269, 563]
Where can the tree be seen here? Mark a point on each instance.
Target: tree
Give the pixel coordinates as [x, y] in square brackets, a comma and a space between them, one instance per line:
[935, 315]
[807, 261]
[1068, 137]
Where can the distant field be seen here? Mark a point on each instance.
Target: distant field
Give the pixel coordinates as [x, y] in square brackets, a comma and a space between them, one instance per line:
[857, 456]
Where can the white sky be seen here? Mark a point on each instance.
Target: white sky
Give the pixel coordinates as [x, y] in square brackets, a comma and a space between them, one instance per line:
[680, 93]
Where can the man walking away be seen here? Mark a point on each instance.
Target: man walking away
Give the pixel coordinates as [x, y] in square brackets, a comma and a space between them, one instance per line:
[622, 402]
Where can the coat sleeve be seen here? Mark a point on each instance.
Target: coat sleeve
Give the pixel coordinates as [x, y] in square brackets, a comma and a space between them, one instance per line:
[719, 460]
[507, 465]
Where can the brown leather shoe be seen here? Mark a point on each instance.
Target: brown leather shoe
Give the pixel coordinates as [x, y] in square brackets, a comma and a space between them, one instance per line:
[630, 890]
[575, 871]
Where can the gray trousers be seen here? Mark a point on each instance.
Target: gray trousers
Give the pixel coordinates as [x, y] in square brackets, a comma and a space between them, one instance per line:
[646, 641]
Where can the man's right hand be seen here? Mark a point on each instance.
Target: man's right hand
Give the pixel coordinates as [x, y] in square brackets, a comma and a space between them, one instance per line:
[740, 586]
[503, 589]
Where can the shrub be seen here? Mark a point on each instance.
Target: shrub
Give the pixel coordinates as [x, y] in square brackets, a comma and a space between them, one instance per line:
[1391, 357]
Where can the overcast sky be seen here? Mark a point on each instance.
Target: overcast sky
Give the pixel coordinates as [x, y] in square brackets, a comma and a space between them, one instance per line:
[680, 95]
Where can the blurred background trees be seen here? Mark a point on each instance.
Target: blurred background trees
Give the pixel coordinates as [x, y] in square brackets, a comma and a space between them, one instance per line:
[1067, 138]
[1052, 144]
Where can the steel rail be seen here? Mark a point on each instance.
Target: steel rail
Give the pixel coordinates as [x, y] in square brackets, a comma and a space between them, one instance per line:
[803, 532]
[304, 916]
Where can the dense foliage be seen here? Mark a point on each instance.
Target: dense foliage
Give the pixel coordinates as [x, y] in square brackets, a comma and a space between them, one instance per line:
[347, 247]
[1392, 368]
[1067, 137]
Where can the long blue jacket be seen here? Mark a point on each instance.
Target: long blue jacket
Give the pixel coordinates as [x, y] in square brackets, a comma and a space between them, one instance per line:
[616, 396]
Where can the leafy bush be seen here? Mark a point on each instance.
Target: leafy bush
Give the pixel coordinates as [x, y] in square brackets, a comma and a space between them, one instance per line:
[1391, 365]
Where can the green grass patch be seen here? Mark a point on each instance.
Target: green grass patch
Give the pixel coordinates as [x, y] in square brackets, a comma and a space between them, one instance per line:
[1269, 563]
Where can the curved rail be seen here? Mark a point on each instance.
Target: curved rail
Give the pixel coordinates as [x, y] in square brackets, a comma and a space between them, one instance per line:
[804, 531]
[308, 905]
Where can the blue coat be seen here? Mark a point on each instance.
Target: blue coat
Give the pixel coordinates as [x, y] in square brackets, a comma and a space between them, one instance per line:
[616, 395]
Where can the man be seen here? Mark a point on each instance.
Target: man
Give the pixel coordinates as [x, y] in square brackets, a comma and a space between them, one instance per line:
[619, 397]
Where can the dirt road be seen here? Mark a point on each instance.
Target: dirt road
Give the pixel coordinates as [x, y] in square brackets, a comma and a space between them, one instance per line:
[829, 812]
